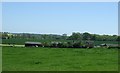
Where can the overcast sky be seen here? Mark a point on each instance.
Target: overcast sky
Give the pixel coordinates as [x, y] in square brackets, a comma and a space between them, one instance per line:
[60, 17]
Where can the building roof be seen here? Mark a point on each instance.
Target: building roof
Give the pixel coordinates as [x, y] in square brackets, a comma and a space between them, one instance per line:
[112, 44]
[32, 42]
[109, 44]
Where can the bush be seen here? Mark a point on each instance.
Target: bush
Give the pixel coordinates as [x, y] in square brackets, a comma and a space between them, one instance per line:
[70, 44]
[77, 45]
[53, 45]
[60, 45]
[110, 47]
[45, 44]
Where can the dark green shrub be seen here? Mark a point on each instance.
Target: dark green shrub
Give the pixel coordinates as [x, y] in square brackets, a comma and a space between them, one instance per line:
[77, 45]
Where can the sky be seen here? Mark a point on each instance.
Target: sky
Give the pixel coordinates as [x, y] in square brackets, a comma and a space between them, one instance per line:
[60, 17]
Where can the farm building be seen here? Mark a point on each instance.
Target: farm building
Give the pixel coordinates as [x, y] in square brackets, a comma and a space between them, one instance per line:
[104, 45]
[113, 45]
[33, 44]
[109, 45]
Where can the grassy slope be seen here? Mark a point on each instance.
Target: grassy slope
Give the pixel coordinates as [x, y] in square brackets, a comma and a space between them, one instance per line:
[43, 59]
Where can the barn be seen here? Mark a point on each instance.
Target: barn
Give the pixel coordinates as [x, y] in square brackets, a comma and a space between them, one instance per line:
[33, 44]
[104, 45]
[113, 46]
[110, 45]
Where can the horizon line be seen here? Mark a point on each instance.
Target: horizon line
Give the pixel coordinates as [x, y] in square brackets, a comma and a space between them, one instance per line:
[61, 33]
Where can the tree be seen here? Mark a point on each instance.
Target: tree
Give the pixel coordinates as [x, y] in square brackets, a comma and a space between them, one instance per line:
[118, 38]
[64, 36]
[5, 35]
[93, 37]
[75, 36]
[87, 36]
[77, 44]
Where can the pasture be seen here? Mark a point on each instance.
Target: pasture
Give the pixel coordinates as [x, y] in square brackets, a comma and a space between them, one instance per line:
[59, 59]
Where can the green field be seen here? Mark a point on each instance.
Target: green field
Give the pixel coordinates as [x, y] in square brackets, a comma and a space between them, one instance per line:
[0, 59]
[59, 59]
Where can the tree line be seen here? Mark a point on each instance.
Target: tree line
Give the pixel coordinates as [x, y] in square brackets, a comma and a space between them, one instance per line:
[75, 36]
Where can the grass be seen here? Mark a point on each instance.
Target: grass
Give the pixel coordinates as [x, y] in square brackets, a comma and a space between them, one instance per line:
[0, 59]
[59, 59]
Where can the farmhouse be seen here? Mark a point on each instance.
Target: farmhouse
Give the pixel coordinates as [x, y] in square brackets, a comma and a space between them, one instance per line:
[33, 44]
